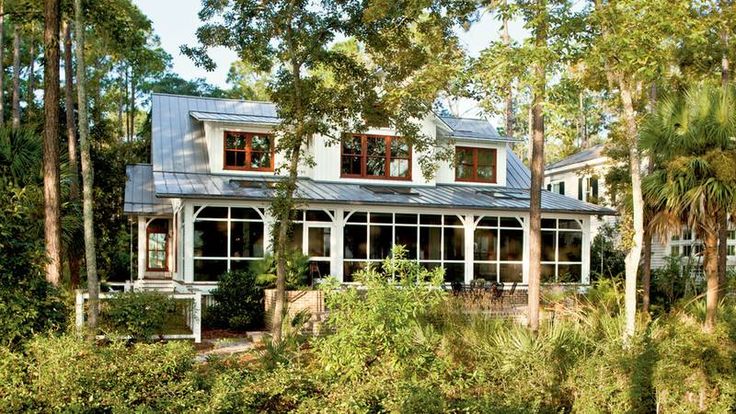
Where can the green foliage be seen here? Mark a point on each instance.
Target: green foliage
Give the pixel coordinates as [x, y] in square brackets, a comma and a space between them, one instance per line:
[297, 269]
[65, 374]
[606, 256]
[28, 304]
[238, 302]
[672, 282]
[137, 314]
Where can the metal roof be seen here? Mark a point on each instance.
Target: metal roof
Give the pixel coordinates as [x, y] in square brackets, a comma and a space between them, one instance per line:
[178, 142]
[139, 192]
[473, 128]
[221, 117]
[589, 154]
[447, 196]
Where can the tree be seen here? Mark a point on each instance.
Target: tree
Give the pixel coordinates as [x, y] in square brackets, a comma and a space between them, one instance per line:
[16, 77]
[694, 182]
[87, 173]
[2, 63]
[71, 136]
[51, 184]
[319, 89]
[617, 25]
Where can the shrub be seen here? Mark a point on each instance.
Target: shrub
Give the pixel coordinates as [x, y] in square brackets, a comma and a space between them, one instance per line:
[238, 302]
[28, 304]
[137, 314]
[606, 255]
[65, 374]
[297, 269]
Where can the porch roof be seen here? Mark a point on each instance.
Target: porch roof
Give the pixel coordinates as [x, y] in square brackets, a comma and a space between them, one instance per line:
[140, 196]
[218, 186]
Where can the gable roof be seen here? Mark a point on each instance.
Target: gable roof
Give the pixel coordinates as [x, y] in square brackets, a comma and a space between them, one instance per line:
[589, 154]
[473, 128]
[178, 142]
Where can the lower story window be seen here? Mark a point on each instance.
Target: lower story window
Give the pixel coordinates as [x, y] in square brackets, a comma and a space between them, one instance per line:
[498, 249]
[226, 239]
[562, 251]
[157, 241]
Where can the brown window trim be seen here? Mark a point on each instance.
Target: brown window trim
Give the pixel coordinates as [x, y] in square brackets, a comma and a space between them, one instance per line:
[248, 151]
[157, 230]
[364, 158]
[474, 178]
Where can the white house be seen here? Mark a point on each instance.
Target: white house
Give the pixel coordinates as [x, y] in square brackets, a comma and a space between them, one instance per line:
[582, 176]
[202, 205]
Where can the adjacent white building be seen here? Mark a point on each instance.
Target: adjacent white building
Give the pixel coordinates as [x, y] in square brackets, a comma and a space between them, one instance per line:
[582, 176]
[202, 205]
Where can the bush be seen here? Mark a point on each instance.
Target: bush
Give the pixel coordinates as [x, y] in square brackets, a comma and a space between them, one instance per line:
[238, 302]
[28, 304]
[297, 269]
[606, 256]
[65, 374]
[137, 314]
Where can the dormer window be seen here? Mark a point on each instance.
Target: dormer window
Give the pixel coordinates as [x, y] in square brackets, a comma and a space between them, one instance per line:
[248, 151]
[475, 164]
[377, 157]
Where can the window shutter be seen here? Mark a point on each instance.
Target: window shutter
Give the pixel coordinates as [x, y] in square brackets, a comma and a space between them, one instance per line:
[549, 187]
[562, 188]
[580, 188]
[594, 187]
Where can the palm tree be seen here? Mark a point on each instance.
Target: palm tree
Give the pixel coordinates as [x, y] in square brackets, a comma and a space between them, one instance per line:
[690, 138]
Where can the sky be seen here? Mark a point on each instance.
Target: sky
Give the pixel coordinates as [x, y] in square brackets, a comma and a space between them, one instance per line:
[176, 21]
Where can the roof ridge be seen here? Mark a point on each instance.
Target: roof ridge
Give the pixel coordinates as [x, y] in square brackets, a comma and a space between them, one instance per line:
[211, 97]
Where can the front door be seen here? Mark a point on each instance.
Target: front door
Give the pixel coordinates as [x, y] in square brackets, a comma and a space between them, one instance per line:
[317, 248]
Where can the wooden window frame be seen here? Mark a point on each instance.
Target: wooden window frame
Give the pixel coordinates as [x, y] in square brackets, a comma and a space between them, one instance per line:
[156, 230]
[248, 151]
[474, 178]
[388, 139]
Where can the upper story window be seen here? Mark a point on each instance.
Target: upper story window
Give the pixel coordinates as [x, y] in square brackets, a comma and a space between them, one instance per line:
[557, 187]
[374, 156]
[248, 151]
[475, 164]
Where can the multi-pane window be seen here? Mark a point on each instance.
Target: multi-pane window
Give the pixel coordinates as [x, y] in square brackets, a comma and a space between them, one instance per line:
[248, 151]
[226, 238]
[562, 251]
[475, 164]
[373, 156]
[311, 233]
[432, 239]
[157, 238]
[498, 249]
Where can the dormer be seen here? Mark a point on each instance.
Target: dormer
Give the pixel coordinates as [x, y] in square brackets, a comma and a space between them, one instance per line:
[480, 152]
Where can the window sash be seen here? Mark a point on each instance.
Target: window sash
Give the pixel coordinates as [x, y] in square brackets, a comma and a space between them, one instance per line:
[247, 151]
[388, 158]
[476, 164]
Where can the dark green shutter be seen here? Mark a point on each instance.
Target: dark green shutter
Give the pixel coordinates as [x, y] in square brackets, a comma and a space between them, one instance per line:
[562, 188]
[594, 187]
[580, 188]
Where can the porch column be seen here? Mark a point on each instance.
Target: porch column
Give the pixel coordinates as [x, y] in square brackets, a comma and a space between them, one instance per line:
[469, 227]
[141, 247]
[336, 244]
[525, 253]
[188, 256]
[587, 241]
[268, 224]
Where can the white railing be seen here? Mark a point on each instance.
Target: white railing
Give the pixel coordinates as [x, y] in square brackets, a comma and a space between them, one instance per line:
[192, 312]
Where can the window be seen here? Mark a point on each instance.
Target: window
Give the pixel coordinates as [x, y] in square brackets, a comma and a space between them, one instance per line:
[248, 151]
[311, 233]
[432, 239]
[498, 248]
[731, 250]
[226, 238]
[379, 157]
[675, 250]
[558, 187]
[562, 251]
[157, 240]
[475, 164]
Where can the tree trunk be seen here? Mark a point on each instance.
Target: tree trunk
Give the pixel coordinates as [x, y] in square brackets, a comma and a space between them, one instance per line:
[121, 104]
[132, 107]
[537, 170]
[582, 122]
[127, 114]
[646, 271]
[722, 251]
[71, 135]
[2, 60]
[51, 185]
[87, 173]
[710, 265]
[31, 74]
[506, 39]
[16, 78]
[634, 255]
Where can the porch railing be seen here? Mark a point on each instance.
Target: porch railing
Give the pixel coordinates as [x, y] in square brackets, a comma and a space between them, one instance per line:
[191, 312]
